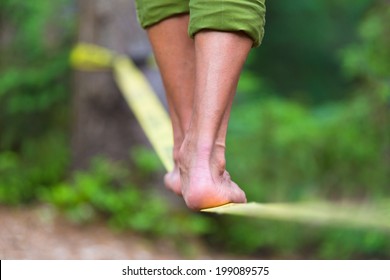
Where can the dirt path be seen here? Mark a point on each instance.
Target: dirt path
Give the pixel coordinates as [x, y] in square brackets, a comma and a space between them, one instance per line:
[38, 234]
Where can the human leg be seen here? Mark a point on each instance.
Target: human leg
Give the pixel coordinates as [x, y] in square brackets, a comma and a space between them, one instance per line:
[216, 80]
[212, 68]
[205, 182]
[166, 22]
[224, 32]
[175, 56]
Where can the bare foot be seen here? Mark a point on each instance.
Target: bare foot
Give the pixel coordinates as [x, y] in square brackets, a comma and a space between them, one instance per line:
[172, 178]
[205, 182]
[172, 181]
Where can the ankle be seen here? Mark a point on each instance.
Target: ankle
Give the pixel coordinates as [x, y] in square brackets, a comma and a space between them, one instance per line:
[198, 154]
[197, 148]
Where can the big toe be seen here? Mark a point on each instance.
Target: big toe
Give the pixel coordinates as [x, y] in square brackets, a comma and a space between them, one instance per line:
[172, 183]
[237, 194]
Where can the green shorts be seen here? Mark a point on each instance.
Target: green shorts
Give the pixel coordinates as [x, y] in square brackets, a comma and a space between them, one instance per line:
[223, 15]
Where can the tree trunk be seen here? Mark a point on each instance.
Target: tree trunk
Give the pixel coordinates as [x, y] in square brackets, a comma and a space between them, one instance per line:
[103, 123]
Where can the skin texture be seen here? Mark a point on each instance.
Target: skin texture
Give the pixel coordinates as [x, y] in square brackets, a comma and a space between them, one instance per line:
[200, 77]
[175, 56]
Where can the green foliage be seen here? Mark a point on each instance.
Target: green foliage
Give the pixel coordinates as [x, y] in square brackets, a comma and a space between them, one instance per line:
[146, 161]
[299, 54]
[34, 94]
[34, 69]
[40, 163]
[302, 152]
[349, 244]
[369, 58]
[106, 190]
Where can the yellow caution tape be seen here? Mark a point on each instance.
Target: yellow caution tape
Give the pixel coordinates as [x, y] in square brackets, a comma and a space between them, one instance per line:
[155, 122]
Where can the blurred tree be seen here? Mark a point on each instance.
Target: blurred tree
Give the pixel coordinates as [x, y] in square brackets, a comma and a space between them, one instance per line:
[300, 53]
[103, 123]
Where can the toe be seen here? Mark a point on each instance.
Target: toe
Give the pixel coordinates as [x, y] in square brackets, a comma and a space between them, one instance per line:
[237, 194]
[172, 182]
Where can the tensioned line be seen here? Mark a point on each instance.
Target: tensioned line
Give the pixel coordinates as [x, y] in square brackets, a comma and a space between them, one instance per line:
[155, 122]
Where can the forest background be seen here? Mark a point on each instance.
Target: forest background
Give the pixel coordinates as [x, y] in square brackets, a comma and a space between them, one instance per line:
[310, 122]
